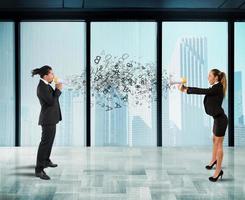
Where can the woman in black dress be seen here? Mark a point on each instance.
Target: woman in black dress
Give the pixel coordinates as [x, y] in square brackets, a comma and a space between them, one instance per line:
[213, 107]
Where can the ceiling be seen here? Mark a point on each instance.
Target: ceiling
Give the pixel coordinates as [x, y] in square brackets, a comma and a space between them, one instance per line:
[117, 4]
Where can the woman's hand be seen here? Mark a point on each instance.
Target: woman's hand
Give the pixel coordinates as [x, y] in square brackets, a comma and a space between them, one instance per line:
[182, 88]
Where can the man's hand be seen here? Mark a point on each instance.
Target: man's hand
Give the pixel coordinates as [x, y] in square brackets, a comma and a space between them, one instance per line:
[58, 86]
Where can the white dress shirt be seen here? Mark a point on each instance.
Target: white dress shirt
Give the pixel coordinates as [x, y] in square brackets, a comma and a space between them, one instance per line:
[46, 82]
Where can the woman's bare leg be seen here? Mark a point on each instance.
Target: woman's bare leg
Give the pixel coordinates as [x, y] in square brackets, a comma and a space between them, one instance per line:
[219, 155]
[214, 153]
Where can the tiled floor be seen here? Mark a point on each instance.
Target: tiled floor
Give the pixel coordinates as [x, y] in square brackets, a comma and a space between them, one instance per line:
[120, 173]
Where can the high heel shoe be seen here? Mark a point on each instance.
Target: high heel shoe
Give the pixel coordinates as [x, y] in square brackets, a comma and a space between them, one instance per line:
[216, 178]
[211, 166]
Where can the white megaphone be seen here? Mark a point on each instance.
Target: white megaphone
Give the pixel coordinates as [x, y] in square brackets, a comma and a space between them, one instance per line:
[182, 81]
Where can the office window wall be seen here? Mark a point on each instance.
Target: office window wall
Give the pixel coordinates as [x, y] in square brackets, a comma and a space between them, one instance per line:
[190, 50]
[62, 46]
[239, 103]
[7, 84]
[123, 74]
[119, 114]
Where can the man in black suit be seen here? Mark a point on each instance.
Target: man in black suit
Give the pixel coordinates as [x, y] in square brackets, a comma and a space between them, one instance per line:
[50, 115]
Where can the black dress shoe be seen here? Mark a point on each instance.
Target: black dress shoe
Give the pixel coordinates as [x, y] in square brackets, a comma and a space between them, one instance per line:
[216, 178]
[211, 166]
[42, 175]
[50, 164]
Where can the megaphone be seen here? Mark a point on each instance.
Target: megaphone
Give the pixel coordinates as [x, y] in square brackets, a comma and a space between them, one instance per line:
[58, 80]
[182, 81]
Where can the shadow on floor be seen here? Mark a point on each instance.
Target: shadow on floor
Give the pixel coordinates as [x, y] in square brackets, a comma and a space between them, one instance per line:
[227, 180]
[25, 167]
[27, 174]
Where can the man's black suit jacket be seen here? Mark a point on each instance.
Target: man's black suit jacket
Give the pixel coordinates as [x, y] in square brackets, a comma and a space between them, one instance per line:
[213, 98]
[50, 108]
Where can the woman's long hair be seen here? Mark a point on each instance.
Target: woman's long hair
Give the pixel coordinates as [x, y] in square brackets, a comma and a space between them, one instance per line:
[44, 70]
[221, 78]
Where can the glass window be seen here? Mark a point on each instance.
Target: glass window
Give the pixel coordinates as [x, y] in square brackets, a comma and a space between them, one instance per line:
[239, 104]
[123, 73]
[7, 84]
[62, 46]
[190, 50]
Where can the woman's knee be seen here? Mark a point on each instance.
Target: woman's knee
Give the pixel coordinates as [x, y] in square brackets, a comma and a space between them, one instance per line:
[217, 142]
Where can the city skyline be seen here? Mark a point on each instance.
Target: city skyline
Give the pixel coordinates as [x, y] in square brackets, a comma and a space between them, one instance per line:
[191, 51]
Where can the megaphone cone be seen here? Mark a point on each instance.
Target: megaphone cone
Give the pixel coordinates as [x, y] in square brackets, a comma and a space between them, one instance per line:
[182, 81]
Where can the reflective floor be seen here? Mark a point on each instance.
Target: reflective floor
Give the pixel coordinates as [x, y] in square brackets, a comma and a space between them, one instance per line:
[121, 173]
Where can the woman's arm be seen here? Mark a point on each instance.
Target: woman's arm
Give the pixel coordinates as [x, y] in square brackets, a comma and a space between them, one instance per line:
[206, 91]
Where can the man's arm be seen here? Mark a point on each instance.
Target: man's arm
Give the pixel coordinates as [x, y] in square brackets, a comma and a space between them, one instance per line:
[48, 96]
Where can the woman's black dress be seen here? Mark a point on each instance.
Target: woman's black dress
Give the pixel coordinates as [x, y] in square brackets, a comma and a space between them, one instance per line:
[213, 106]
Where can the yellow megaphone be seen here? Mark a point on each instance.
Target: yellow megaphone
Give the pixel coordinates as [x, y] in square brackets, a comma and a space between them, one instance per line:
[56, 79]
[182, 81]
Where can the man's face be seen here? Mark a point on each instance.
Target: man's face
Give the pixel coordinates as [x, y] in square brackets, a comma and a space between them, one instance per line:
[49, 77]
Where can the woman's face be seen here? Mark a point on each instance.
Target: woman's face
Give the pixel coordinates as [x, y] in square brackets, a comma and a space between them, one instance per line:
[211, 78]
